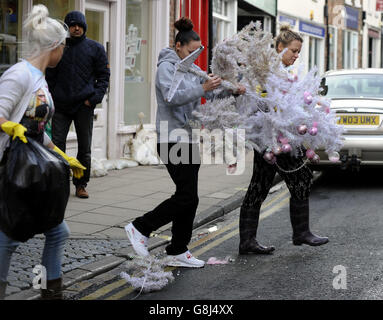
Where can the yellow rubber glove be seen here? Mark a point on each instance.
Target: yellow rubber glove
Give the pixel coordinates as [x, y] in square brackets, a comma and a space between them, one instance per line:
[14, 130]
[75, 165]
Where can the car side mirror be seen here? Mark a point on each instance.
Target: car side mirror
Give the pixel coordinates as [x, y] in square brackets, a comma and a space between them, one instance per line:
[324, 87]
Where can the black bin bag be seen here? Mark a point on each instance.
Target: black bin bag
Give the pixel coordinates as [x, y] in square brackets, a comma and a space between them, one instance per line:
[34, 190]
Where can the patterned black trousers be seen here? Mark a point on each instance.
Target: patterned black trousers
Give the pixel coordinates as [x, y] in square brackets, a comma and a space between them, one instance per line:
[298, 182]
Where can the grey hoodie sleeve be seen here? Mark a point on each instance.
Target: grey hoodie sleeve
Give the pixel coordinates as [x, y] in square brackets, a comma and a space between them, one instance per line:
[223, 94]
[164, 81]
[210, 95]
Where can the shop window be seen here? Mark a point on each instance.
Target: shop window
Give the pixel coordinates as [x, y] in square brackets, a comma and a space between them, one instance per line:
[355, 50]
[314, 52]
[350, 50]
[218, 6]
[219, 31]
[11, 13]
[137, 82]
[58, 9]
[222, 20]
[333, 48]
[373, 52]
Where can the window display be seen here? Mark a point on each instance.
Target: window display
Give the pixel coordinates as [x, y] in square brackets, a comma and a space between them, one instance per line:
[137, 82]
[10, 33]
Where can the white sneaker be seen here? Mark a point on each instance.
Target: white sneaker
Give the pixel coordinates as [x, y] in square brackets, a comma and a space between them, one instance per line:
[186, 260]
[138, 240]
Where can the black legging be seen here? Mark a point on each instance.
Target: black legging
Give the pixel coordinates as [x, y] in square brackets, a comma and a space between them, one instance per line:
[182, 206]
[298, 182]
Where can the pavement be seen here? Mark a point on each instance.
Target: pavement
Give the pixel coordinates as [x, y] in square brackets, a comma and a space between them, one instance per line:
[98, 240]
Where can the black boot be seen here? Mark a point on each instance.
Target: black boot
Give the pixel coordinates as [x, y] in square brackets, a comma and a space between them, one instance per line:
[53, 290]
[3, 288]
[299, 216]
[248, 225]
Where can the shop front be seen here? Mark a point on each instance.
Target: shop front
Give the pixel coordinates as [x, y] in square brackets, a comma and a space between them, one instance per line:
[314, 48]
[373, 47]
[372, 34]
[133, 33]
[351, 45]
[381, 47]
[333, 48]
[264, 11]
[224, 20]
[11, 13]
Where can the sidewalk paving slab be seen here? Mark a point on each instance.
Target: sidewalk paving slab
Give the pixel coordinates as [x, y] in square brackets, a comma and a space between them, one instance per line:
[120, 197]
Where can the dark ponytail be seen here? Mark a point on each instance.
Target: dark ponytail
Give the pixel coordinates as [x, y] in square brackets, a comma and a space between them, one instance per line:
[186, 33]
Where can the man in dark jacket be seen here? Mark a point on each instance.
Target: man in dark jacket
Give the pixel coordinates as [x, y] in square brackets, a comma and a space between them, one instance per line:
[78, 84]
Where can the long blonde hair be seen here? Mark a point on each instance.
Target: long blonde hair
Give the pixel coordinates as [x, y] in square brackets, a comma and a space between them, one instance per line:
[42, 33]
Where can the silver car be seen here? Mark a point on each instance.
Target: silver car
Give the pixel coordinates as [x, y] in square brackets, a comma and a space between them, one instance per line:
[357, 97]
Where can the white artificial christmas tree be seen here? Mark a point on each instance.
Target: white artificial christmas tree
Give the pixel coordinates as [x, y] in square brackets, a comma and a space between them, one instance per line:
[282, 111]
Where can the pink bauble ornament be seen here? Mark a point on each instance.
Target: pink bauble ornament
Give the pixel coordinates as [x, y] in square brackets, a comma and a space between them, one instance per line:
[327, 110]
[316, 159]
[313, 131]
[302, 129]
[283, 140]
[293, 78]
[334, 157]
[269, 157]
[277, 150]
[324, 103]
[308, 98]
[286, 148]
[310, 154]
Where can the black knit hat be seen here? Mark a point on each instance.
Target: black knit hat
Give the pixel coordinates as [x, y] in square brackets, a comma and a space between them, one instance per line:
[76, 17]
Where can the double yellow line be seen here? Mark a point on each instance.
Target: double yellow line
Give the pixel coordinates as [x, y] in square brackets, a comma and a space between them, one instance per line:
[268, 209]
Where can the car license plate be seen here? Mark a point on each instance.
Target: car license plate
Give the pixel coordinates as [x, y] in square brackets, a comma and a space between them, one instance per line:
[365, 120]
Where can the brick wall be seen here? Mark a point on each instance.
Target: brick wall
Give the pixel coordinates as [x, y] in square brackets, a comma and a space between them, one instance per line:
[173, 15]
[333, 20]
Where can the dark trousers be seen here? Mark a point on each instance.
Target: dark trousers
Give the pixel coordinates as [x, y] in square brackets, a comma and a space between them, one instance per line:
[181, 207]
[298, 183]
[83, 122]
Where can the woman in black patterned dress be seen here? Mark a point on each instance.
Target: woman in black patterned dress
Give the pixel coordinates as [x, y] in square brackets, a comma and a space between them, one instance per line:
[292, 170]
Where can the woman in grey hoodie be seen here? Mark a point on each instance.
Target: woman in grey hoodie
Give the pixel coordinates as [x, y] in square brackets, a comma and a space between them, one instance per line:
[177, 150]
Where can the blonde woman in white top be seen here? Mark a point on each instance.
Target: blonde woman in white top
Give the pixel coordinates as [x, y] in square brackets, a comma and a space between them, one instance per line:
[25, 107]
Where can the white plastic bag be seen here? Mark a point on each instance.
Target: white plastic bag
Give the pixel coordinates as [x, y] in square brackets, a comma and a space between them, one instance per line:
[144, 146]
[97, 168]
